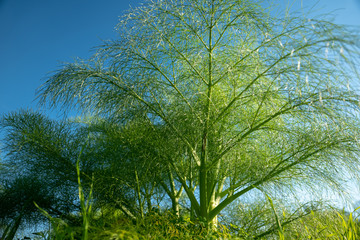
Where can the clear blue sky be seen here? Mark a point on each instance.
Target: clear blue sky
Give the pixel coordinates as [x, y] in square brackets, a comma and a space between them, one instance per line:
[36, 36]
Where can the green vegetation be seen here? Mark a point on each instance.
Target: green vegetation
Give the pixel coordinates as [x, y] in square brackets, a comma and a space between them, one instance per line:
[203, 120]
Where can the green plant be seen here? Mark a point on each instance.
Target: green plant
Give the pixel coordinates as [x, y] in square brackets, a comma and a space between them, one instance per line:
[85, 204]
[203, 101]
[231, 97]
[350, 227]
[61, 229]
[10, 230]
[277, 220]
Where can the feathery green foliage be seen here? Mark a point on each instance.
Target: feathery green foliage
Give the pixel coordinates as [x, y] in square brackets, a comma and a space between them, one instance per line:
[249, 99]
[197, 105]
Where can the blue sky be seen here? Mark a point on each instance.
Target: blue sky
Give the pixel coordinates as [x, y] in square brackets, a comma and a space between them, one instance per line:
[37, 36]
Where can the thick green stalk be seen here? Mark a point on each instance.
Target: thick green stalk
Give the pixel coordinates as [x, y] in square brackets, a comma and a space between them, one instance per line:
[204, 150]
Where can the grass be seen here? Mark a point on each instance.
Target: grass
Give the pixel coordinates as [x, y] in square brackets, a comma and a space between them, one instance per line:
[112, 225]
[109, 223]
